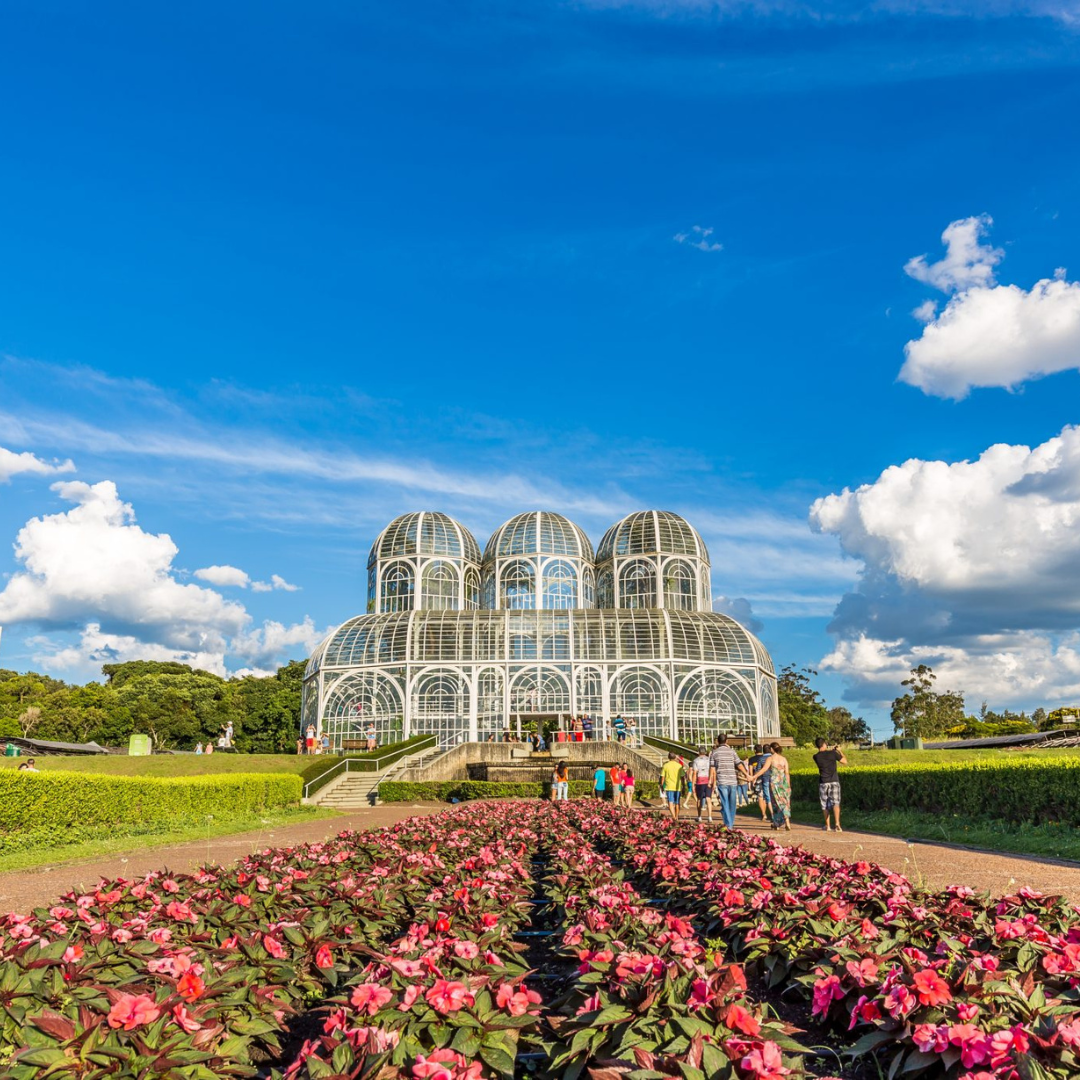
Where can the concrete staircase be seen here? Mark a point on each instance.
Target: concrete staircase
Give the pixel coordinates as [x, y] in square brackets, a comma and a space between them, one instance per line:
[651, 754]
[356, 790]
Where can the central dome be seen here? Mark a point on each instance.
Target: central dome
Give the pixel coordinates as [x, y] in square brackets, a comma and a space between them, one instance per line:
[539, 532]
[652, 532]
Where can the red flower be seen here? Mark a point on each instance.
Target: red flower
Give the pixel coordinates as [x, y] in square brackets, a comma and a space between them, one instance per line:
[448, 997]
[825, 990]
[442, 925]
[739, 1019]
[931, 988]
[324, 958]
[273, 947]
[766, 1063]
[190, 987]
[131, 1011]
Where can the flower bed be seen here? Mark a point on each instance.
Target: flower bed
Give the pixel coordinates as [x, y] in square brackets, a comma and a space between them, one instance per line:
[495, 940]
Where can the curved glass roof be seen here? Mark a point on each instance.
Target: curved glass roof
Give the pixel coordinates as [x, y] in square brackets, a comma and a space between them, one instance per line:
[623, 635]
[539, 532]
[426, 532]
[652, 532]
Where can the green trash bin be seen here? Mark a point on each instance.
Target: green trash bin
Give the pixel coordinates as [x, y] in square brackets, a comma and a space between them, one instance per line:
[11, 750]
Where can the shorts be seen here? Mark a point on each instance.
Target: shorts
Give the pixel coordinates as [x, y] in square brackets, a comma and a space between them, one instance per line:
[673, 796]
[828, 796]
[702, 791]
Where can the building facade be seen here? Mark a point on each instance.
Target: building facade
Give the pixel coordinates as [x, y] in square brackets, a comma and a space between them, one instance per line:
[539, 629]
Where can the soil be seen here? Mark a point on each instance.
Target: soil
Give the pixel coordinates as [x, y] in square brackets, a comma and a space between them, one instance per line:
[932, 865]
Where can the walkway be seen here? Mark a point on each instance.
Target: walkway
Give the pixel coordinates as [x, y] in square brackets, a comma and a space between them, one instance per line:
[932, 865]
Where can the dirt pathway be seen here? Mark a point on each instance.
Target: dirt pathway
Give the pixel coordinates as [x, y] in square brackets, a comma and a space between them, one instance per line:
[932, 865]
[23, 890]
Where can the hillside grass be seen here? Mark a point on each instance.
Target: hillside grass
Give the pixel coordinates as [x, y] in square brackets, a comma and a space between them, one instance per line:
[803, 759]
[167, 765]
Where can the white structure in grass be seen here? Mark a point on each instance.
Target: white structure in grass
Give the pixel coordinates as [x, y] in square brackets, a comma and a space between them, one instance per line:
[538, 628]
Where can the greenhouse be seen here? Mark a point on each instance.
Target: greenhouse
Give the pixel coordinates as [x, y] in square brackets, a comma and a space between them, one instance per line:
[536, 630]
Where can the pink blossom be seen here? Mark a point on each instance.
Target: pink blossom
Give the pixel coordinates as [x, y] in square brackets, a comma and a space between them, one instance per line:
[323, 957]
[131, 1011]
[407, 999]
[765, 1063]
[931, 1038]
[467, 950]
[273, 947]
[826, 990]
[448, 997]
[370, 997]
[973, 1043]
[185, 1019]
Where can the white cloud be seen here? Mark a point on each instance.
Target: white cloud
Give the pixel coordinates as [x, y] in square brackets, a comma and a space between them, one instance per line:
[972, 563]
[988, 334]
[278, 582]
[740, 609]
[12, 464]
[224, 576]
[93, 572]
[967, 261]
[698, 237]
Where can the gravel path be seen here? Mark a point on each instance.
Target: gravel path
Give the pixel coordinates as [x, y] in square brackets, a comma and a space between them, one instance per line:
[932, 865]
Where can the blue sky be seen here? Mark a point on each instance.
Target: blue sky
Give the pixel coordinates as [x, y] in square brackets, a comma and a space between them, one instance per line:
[278, 275]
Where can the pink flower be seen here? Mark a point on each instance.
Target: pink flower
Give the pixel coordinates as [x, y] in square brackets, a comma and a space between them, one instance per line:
[967, 1011]
[739, 1019]
[185, 1019]
[825, 991]
[323, 957]
[899, 1001]
[467, 950]
[865, 1011]
[515, 1002]
[444, 1065]
[592, 1004]
[370, 997]
[974, 1045]
[273, 947]
[863, 972]
[1070, 1033]
[72, 953]
[407, 999]
[766, 1063]
[448, 997]
[931, 1038]
[131, 1011]
[190, 987]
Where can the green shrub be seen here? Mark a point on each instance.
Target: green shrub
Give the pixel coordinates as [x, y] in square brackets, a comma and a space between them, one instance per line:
[1041, 789]
[45, 807]
[445, 790]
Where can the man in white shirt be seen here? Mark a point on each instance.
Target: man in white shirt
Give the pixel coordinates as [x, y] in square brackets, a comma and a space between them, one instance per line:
[704, 776]
[727, 765]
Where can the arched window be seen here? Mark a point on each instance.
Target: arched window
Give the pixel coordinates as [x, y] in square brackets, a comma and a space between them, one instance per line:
[440, 586]
[588, 591]
[605, 589]
[560, 585]
[679, 585]
[518, 585]
[637, 584]
[472, 590]
[397, 587]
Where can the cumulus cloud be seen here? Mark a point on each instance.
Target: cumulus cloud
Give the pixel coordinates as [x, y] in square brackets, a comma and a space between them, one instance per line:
[988, 334]
[972, 563]
[698, 237]
[94, 571]
[261, 647]
[224, 576]
[278, 582]
[12, 464]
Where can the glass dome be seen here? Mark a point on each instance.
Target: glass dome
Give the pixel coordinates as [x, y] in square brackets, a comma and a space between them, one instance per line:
[426, 532]
[652, 532]
[539, 532]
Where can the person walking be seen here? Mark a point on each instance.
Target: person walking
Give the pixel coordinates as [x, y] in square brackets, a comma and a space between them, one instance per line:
[562, 782]
[827, 761]
[726, 767]
[616, 784]
[619, 724]
[776, 765]
[759, 789]
[671, 782]
[587, 727]
[599, 782]
[701, 771]
[631, 732]
[628, 787]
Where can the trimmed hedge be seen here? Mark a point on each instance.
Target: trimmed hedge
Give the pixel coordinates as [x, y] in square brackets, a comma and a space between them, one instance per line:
[1044, 789]
[48, 806]
[445, 790]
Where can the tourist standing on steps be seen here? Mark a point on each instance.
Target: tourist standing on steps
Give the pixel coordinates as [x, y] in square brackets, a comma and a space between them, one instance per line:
[631, 732]
[826, 761]
[726, 768]
[562, 781]
[702, 772]
[619, 724]
[671, 781]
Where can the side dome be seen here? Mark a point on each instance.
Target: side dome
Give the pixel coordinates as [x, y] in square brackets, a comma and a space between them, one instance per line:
[424, 560]
[652, 532]
[538, 560]
[653, 559]
[425, 532]
[539, 532]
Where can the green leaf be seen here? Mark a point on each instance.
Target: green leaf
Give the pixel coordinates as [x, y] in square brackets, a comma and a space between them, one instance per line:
[47, 1055]
[498, 1059]
[613, 1014]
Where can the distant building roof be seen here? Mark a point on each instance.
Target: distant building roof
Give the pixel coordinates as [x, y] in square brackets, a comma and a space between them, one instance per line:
[1033, 738]
[43, 746]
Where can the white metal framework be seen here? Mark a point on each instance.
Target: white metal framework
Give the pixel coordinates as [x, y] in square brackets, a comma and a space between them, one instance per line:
[442, 654]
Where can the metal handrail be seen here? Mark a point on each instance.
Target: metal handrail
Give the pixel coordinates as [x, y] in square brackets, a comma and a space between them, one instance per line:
[348, 763]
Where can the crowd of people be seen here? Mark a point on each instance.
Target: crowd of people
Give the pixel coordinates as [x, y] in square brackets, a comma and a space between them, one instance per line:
[723, 779]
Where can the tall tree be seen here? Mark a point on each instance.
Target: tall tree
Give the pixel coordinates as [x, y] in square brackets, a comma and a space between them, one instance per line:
[803, 716]
[845, 728]
[924, 713]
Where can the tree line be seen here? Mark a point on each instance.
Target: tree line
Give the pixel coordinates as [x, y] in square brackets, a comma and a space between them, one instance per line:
[175, 704]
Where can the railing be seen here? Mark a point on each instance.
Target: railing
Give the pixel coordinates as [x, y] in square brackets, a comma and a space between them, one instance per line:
[367, 764]
[668, 746]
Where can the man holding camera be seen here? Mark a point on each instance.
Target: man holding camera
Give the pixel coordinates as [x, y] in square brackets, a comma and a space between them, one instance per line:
[829, 781]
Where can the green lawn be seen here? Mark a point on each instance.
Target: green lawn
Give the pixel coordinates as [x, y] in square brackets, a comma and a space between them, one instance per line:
[168, 764]
[114, 841]
[804, 758]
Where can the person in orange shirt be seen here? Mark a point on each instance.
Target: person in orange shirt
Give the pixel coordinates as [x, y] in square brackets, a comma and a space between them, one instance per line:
[616, 785]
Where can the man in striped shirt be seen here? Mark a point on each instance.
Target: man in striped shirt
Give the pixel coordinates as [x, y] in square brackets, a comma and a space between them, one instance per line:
[727, 767]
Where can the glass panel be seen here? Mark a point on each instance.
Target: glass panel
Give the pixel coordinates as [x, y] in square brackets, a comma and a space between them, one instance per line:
[518, 585]
[637, 584]
[397, 587]
[440, 586]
